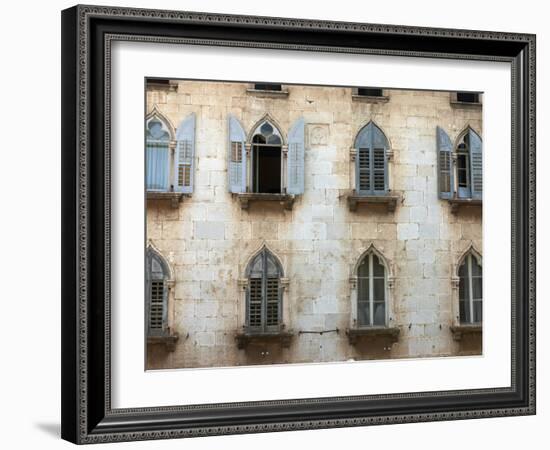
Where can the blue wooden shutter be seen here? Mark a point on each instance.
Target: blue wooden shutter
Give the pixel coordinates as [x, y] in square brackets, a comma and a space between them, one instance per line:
[444, 164]
[295, 157]
[185, 155]
[236, 165]
[363, 165]
[476, 164]
[379, 169]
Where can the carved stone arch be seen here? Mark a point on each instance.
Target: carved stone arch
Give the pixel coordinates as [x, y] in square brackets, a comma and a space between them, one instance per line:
[269, 119]
[463, 133]
[470, 250]
[372, 248]
[156, 114]
[366, 124]
[263, 247]
[152, 249]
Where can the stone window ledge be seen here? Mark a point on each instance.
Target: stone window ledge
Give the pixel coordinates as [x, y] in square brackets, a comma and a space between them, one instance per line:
[175, 198]
[355, 334]
[473, 105]
[262, 337]
[286, 200]
[459, 331]
[389, 200]
[267, 93]
[457, 203]
[168, 339]
[370, 98]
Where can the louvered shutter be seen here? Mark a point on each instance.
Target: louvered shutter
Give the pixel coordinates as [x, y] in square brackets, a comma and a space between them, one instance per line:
[476, 165]
[185, 155]
[444, 164]
[272, 301]
[363, 170]
[378, 161]
[236, 166]
[295, 157]
[255, 302]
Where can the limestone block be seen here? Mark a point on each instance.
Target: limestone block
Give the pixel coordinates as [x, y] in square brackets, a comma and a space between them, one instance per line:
[208, 230]
[407, 231]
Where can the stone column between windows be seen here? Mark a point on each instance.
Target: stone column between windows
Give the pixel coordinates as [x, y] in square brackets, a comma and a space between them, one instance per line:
[248, 164]
[352, 169]
[172, 175]
[284, 162]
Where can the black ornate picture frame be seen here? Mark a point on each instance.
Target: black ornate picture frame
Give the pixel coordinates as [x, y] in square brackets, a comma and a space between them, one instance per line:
[87, 35]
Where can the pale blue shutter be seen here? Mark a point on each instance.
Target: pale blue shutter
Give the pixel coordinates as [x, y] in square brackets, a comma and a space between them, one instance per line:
[444, 164]
[185, 155]
[295, 157]
[363, 167]
[379, 161]
[476, 164]
[236, 165]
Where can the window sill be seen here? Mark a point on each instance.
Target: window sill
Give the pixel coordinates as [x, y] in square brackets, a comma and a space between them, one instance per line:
[457, 203]
[286, 200]
[175, 198]
[459, 331]
[355, 334]
[370, 98]
[249, 336]
[267, 93]
[473, 105]
[167, 339]
[390, 201]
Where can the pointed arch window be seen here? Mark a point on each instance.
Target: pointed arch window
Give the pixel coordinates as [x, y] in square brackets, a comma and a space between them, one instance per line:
[157, 155]
[460, 172]
[267, 159]
[157, 277]
[264, 293]
[371, 172]
[371, 291]
[470, 290]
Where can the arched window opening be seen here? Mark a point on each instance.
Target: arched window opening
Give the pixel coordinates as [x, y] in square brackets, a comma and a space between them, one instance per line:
[264, 296]
[267, 159]
[371, 295]
[157, 155]
[372, 147]
[157, 294]
[470, 290]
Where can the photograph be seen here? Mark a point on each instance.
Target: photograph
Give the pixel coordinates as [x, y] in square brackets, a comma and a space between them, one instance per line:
[293, 224]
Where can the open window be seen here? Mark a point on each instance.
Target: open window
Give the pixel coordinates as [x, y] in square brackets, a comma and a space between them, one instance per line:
[263, 167]
[169, 162]
[157, 160]
[369, 94]
[267, 146]
[460, 169]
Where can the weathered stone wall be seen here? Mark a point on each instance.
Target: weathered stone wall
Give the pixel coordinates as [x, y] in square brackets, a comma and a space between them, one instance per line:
[209, 239]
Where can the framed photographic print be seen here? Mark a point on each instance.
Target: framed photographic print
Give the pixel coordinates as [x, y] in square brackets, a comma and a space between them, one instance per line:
[281, 224]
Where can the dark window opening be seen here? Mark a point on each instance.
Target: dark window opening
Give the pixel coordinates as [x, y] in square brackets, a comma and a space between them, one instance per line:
[267, 169]
[370, 92]
[267, 87]
[462, 168]
[467, 97]
[158, 81]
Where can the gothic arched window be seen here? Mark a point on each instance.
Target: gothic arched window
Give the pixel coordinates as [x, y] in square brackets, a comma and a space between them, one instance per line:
[157, 277]
[371, 291]
[264, 294]
[371, 174]
[470, 291]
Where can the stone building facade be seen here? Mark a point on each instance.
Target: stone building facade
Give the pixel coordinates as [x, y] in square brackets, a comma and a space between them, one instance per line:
[293, 224]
